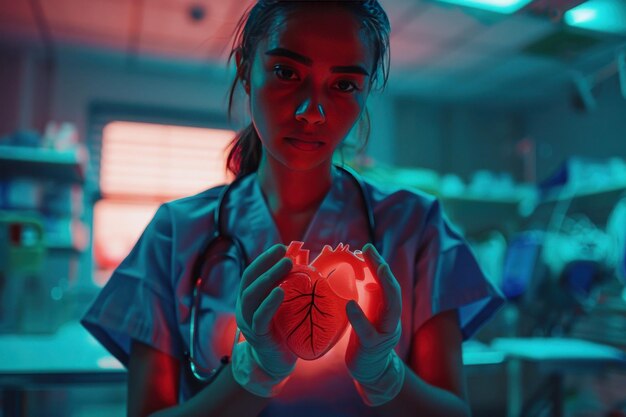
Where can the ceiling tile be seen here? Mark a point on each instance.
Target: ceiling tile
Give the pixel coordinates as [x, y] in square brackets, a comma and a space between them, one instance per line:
[396, 9]
[168, 27]
[97, 21]
[512, 33]
[518, 74]
[442, 24]
[16, 19]
[459, 61]
[407, 52]
[401, 13]
[436, 49]
[16, 12]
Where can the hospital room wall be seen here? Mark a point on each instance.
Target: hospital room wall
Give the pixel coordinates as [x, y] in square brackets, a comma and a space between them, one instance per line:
[9, 85]
[83, 80]
[463, 139]
[565, 128]
[455, 138]
[25, 86]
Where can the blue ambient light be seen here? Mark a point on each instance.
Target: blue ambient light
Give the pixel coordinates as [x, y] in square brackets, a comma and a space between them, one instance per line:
[599, 15]
[499, 6]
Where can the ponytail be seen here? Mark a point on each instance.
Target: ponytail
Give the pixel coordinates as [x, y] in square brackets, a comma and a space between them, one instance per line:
[245, 152]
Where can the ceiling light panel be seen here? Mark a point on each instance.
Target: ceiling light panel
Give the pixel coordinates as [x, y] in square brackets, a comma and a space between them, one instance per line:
[99, 22]
[498, 6]
[599, 15]
[167, 28]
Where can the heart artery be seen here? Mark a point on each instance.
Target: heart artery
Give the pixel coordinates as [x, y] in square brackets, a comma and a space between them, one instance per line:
[312, 317]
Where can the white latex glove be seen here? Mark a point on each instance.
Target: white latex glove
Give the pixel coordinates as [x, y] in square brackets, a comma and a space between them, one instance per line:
[261, 363]
[376, 368]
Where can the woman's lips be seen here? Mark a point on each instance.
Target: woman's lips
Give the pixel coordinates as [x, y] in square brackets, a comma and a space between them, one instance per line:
[305, 145]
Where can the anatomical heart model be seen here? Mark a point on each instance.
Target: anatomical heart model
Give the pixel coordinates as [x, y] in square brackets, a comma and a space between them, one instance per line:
[312, 316]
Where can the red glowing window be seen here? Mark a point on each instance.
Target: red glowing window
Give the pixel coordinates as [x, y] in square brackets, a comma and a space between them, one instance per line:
[143, 165]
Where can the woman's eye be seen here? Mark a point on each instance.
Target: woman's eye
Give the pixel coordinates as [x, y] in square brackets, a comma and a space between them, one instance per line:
[346, 86]
[285, 73]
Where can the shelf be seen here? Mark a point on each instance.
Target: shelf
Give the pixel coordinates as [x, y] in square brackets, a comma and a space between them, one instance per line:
[476, 215]
[469, 199]
[64, 248]
[608, 192]
[597, 205]
[66, 166]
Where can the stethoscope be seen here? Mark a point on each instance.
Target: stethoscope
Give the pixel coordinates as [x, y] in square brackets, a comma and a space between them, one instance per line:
[220, 248]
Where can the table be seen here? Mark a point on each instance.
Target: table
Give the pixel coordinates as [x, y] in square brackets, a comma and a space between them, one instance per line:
[73, 357]
[69, 357]
[556, 356]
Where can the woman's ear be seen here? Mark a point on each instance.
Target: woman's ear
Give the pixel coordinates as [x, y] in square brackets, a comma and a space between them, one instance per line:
[242, 71]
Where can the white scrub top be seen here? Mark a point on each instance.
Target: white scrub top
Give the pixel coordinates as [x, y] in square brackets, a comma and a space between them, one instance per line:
[149, 296]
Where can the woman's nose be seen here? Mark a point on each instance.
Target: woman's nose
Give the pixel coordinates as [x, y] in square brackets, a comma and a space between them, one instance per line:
[310, 113]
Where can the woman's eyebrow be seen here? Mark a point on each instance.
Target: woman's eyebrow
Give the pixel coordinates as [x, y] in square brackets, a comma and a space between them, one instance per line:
[356, 69]
[290, 54]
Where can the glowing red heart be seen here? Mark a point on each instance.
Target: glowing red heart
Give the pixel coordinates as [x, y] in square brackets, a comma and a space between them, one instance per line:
[312, 316]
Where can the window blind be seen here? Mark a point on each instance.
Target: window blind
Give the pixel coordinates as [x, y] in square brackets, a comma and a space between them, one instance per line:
[161, 162]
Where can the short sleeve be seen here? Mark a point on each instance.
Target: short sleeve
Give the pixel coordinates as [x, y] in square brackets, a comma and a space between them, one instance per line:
[138, 302]
[449, 277]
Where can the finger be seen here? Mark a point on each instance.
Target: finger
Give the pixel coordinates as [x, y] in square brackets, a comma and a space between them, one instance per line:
[363, 328]
[392, 294]
[261, 264]
[372, 257]
[392, 310]
[256, 292]
[262, 319]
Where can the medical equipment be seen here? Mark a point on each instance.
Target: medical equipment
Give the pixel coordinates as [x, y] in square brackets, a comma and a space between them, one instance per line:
[221, 248]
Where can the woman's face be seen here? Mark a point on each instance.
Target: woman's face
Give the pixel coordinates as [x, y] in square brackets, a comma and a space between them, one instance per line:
[309, 81]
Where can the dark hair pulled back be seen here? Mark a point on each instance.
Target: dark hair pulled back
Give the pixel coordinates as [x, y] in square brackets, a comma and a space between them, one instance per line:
[246, 149]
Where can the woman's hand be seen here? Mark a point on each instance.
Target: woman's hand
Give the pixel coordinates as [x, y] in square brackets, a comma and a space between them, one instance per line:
[257, 303]
[370, 357]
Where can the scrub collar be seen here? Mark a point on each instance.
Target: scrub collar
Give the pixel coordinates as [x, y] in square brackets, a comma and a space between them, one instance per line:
[249, 219]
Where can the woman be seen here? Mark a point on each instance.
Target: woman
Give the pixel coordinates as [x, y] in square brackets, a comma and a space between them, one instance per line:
[307, 69]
